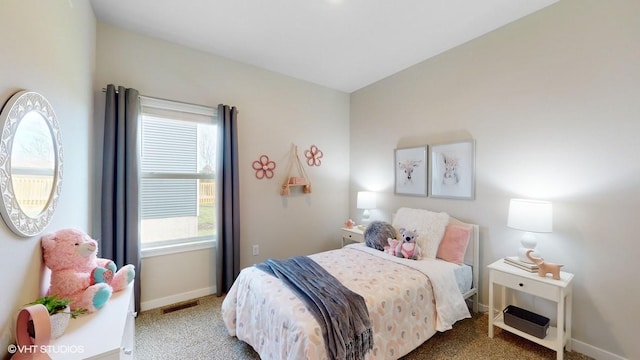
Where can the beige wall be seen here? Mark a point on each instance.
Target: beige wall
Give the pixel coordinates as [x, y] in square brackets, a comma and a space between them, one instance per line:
[552, 102]
[275, 111]
[47, 47]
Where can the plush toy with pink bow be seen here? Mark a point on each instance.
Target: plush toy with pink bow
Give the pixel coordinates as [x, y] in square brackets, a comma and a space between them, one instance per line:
[78, 274]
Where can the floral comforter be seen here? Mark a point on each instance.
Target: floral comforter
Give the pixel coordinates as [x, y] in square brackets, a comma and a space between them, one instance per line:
[408, 301]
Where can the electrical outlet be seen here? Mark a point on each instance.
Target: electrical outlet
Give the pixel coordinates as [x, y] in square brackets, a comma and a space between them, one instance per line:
[256, 250]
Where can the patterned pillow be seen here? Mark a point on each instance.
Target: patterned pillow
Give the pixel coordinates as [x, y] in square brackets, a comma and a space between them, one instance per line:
[377, 233]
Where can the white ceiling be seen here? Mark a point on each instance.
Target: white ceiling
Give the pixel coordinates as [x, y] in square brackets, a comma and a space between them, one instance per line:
[341, 44]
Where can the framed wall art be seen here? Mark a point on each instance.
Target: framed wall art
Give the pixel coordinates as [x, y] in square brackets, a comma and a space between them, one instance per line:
[411, 171]
[452, 174]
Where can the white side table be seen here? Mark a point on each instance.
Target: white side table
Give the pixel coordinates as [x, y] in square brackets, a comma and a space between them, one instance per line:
[109, 333]
[558, 291]
[352, 235]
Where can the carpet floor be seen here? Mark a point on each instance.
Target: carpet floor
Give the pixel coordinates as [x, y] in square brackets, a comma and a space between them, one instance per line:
[199, 333]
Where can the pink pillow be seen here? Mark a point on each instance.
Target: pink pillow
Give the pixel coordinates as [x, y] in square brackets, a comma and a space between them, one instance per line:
[454, 244]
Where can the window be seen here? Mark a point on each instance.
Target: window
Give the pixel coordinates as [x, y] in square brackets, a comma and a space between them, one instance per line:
[178, 160]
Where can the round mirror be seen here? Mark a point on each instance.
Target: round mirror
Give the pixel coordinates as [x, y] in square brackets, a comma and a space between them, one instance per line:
[30, 163]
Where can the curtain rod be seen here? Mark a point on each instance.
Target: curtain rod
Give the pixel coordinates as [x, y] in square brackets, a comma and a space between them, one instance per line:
[104, 90]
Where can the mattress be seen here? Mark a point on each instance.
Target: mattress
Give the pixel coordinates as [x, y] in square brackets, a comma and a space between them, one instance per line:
[464, 277]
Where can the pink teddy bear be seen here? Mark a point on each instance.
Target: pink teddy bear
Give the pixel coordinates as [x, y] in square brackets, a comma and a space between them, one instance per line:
[78, 274]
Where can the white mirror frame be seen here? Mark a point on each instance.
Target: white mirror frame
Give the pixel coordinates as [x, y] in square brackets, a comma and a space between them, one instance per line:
[20, 104]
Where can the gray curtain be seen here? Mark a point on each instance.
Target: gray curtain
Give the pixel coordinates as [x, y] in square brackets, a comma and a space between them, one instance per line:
[120, 230]
[228, 242]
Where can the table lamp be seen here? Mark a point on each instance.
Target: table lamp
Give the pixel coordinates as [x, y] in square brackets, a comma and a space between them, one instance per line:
[530, 216]
[366, 201]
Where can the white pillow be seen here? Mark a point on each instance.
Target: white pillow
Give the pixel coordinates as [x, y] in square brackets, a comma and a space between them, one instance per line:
[429, 226]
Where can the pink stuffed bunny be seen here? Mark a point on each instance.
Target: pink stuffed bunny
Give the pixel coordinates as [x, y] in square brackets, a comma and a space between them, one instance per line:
[78, 274]
[391, 248]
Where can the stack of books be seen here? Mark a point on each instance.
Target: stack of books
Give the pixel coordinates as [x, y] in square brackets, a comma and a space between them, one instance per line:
[515, 261]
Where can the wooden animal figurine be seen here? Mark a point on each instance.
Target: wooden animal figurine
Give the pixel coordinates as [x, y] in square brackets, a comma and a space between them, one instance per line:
[545, 268]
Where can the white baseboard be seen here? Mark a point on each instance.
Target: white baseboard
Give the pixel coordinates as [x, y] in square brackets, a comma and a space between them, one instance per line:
[592, 351]
[576, 345]
[168, 300]
[482, 308]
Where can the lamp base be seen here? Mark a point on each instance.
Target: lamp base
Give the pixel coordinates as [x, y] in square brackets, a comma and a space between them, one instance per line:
[528, 242]
[522, 254]
[366, 217]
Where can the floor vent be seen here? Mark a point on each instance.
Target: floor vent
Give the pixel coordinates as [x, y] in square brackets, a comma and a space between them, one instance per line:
[180, 306]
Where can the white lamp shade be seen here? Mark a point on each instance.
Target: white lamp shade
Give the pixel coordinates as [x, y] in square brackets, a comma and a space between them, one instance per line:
[530, 215]
[366, 200]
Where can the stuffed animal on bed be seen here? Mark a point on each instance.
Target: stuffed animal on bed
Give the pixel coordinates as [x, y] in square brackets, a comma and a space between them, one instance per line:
[391, 248]
[407, 247]
[78, 274]
[377, 233]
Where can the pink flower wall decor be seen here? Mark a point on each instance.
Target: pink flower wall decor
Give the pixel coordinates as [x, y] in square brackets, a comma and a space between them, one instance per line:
[313, 156]
[264, 167]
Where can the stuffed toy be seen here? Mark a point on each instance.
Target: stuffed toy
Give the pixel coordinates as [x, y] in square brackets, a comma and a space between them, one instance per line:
[407, 247]
[391, 248]
[349, 224]
[78, 274]
[377, 233]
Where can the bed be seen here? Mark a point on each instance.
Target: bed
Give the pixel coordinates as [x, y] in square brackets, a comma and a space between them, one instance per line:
[408, 301]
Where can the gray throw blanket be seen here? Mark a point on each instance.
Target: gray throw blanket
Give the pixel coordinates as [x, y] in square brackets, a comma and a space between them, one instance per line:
[341, 313]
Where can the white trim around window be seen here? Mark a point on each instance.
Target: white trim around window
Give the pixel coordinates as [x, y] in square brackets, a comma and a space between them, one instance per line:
[177, 248]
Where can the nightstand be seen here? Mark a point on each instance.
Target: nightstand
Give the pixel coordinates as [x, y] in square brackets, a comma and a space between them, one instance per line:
[558, 291]
[107, 334]
[352, 235]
